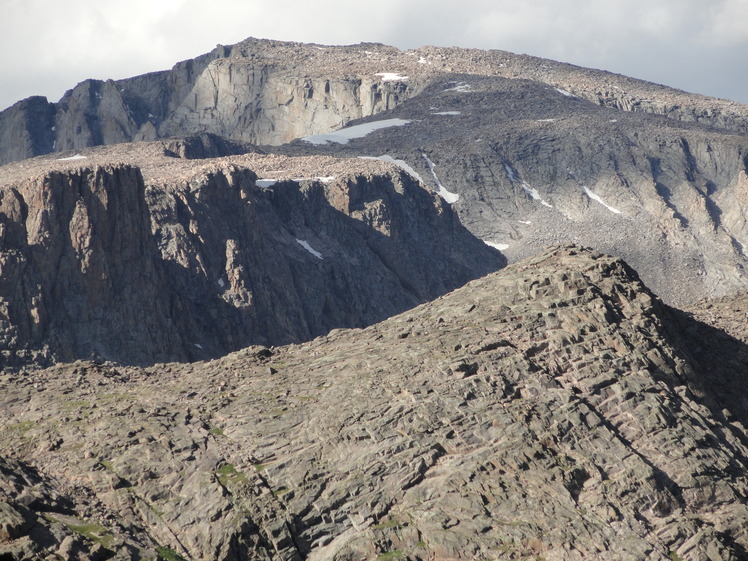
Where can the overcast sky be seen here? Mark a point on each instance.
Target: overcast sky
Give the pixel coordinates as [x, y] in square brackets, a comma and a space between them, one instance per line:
[48, 46]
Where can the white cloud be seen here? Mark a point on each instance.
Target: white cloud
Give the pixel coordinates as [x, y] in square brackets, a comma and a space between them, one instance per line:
[726, 23]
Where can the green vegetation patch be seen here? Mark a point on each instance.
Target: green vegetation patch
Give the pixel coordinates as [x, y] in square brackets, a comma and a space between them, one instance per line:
[22, 427]
[390, 555]
[75, 405]
[391, 523]
[94, 532]
[228, 475]
[168, 554]
[281, 491]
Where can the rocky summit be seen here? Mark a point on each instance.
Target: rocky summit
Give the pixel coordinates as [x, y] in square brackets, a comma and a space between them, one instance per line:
[301, 302]
[551, 410]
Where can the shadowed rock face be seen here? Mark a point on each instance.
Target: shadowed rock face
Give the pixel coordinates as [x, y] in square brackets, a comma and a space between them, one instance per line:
[192, 259]
[549, 410]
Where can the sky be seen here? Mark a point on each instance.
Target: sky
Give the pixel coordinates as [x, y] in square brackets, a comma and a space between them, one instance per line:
[48, 46]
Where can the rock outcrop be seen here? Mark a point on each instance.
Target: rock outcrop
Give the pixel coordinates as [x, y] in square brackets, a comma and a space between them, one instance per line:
[135, 256]
[551, 410]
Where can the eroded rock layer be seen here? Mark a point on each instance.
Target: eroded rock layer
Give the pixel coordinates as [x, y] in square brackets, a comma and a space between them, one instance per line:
[551, 410]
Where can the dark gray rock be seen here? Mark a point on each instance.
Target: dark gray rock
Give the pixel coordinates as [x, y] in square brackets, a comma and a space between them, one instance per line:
[540, 152]
[195, 260]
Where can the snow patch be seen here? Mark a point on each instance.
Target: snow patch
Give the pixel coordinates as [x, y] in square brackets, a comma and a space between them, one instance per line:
[422, 61]
[524, 222]
[512, 175]
[546, 120]
[327, 179]
[499, 246]
[265, 183]
[221, 283]
[535, 194]
[447, 113]
[309, 248]
[76, 157]
[343, 135]
[391, 76]
[400, 163]
[564, 92]
[597, 198]
[451, 198]
[459, 87]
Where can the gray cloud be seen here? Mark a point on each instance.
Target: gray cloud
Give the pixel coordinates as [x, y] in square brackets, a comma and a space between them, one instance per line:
[49, 46]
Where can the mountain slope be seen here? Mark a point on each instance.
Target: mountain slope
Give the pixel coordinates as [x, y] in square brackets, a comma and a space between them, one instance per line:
[270, 92]
[533, 166]
[549, 410]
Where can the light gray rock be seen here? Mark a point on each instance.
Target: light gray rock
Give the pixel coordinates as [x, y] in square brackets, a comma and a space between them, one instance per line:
[534, 167]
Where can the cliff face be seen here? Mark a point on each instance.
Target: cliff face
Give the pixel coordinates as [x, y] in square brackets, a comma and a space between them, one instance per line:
[99, 262]
[262, 105]
[77, 265]
[554, 409]
[258, 91]
[27, 129]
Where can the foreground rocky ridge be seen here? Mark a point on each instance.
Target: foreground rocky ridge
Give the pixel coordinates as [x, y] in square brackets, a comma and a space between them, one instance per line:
[551, 410]
[134, 255]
